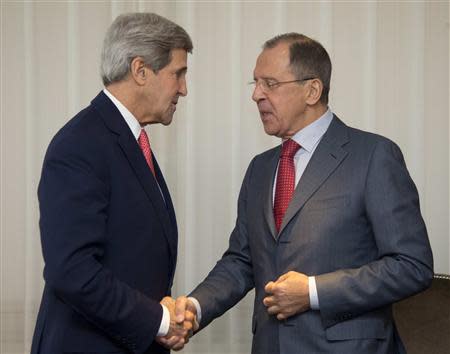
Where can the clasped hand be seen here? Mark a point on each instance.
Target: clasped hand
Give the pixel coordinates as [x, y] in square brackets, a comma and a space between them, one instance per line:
[288, 295]
[183, 322]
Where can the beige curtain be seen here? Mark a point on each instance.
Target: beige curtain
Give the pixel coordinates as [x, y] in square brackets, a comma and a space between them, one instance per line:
[391, 76]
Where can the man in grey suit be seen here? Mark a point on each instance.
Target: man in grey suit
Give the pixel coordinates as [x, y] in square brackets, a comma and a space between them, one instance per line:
[329, 230]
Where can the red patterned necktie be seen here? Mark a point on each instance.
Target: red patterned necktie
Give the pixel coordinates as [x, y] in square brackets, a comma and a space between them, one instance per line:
[146, 150]
[285, 181]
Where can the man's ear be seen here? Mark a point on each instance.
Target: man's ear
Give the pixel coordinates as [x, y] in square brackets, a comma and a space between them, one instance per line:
[139, 71]
[314, 91]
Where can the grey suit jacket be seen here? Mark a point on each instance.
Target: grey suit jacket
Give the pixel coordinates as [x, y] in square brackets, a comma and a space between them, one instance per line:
[354, 223]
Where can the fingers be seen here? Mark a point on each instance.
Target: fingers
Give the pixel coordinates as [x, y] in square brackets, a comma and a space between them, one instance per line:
[189, 321]
[269, 287]
[269, 301]
[273, 307]
[186, 307]
[180, 308]
[281, 317]
[167, 301]
[280, 312]
[283, 277]
[183, 322]
[189, 316]
[191, 307]
[187, 325]
[273, 310]
[288, 295]
[196, 325]
[179, 345]
[169, 343]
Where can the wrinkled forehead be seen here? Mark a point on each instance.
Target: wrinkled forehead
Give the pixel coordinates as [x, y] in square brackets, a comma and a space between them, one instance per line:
[273, 61]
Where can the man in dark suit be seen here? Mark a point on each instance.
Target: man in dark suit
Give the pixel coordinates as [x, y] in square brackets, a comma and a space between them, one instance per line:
[329, 230]
[108, 228]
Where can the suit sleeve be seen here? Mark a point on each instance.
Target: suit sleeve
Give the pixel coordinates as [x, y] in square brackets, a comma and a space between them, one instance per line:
[405, 263]
[74, 210]
[232, 277]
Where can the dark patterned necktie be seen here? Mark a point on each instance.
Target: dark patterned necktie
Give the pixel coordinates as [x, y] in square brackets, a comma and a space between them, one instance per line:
[146, 150]
[285, 181]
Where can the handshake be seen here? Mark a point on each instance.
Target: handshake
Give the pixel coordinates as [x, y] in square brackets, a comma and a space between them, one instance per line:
[183, 322]
[285, 297]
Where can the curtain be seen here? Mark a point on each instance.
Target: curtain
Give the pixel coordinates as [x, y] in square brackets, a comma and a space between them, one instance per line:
[390, 76]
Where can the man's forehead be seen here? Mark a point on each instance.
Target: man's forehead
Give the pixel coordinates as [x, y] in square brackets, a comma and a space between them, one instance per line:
[178, 58]
[281, 49]
[276, 58]
[178, 54]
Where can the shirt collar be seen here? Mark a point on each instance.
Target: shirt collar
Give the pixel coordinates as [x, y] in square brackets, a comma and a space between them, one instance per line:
[309, 136]
[130, 119]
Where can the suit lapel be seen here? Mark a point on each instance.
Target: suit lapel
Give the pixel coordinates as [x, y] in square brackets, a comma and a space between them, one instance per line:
[147, 180]
[169, 207]
[267, 180]
[328, 156]
[114, 120]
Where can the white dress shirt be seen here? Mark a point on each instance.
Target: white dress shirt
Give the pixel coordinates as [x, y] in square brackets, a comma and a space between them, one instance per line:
[136, 128]
[131, 120]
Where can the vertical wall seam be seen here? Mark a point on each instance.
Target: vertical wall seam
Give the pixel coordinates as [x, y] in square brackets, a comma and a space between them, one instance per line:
[73, 58]
[1, 178]
[30, 114]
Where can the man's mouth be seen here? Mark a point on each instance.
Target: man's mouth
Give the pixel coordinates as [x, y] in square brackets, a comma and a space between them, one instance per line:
[265, 114]
[264, 109]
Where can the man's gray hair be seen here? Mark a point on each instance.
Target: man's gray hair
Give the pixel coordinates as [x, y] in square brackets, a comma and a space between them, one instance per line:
[145, 35]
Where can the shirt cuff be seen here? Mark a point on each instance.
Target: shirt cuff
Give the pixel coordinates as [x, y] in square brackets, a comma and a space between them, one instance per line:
[165, 323]
[197, 306]
[313, 297]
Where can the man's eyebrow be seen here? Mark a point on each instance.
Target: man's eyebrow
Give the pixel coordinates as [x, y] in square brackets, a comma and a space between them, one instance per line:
[265, 78]
[181, 70]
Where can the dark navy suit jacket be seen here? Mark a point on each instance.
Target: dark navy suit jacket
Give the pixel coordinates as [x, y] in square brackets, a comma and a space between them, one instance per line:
[109, 239]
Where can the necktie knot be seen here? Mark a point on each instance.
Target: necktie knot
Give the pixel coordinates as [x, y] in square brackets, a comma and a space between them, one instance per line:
[289, 149]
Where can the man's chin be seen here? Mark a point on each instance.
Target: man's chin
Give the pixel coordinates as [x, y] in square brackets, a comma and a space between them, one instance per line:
[270, 130]
[167, 120]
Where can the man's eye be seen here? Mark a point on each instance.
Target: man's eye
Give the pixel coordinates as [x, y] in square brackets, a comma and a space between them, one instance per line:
[180, 74]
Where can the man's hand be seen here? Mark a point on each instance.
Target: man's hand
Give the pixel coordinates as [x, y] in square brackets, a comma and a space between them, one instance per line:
[183, 322]
[287, 296]
[185, 306]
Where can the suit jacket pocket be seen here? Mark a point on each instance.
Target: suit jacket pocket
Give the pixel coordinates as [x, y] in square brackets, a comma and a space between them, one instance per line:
[358, 328]
[334, 202]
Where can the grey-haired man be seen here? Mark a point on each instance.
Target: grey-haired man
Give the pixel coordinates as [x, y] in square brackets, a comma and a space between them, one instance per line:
[108, 228]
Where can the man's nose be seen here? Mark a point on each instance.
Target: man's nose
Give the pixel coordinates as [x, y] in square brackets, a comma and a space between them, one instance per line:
[182, 90]
[258, 93]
